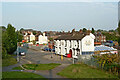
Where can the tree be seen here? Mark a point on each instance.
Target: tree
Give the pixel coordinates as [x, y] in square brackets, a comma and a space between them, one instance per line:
[21, 30]
[19, 36]
[11, 39]
[119, 32]
[34, 33]
[84, 29]
[73, 30]
[93, 31]
[118, 28]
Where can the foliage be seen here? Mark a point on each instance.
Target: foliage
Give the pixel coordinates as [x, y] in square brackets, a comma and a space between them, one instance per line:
[8, 60]
[118, 28]
[110, 36]
[111, 30]
[19, 36]
[51, 39]
[34, 42]
[21, 30]
[9, 40]
[119, 41]
[84, 29]
[34, 33]
[4, 53]
[119, 32]
[106, 61]
[93, 31]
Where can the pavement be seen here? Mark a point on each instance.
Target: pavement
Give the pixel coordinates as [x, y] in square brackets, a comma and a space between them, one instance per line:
[41, 57]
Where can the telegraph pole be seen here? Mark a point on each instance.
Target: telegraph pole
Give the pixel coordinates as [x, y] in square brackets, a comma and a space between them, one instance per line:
[17, 53]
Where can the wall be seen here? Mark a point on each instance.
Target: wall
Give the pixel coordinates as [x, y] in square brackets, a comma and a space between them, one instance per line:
[87, 44]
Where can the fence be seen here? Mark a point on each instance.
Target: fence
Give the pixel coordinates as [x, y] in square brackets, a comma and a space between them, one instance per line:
[112, 67]
[88, 59]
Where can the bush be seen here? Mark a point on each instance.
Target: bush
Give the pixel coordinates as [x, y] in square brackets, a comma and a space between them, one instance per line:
[108, 62]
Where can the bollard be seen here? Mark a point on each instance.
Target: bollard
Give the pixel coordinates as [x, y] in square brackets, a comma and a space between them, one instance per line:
[61, 57]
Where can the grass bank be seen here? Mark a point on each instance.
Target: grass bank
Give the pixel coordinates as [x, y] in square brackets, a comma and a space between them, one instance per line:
[84, 71]
[38, 66]
[9, 60]
[15, 74]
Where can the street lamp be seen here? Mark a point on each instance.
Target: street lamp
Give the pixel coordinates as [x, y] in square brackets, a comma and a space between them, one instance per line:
[18, 52]
[51, 48]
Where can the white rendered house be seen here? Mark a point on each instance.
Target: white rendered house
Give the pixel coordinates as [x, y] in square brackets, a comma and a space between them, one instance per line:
[28, 37]
[42, 39]
[32, 37]
[75, 44]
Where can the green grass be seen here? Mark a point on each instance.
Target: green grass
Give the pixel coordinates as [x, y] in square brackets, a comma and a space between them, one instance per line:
[9, 60]
[15, 74]
[38, 66]
[84, 71]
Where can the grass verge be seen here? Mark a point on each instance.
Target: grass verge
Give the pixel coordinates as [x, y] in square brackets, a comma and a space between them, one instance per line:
[84, 71]
[9, 60]
[15, 74]
[38, 66]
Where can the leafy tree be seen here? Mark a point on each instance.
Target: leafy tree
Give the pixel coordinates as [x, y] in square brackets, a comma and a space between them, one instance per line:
[111, 30]
[21, 30]
[93, 31]
[51, 39]
[99, 30]
[34, 33]
[119, 32]
[73, 30]
[119, 41]
[110, 36]
[108, 62]
[19, 36]
[84, 29]
[11, 39]
[118, 28]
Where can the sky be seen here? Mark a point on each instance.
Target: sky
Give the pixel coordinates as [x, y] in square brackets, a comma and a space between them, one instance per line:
[60, 16]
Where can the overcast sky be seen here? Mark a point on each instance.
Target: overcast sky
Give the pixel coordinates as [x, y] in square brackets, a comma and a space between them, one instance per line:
[59, 16]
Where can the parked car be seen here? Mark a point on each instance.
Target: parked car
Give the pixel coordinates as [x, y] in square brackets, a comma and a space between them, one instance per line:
[46, 49]
[53, 50]
[22, 53]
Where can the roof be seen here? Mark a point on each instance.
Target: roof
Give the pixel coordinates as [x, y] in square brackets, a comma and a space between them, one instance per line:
[76, 36]
[104, 48]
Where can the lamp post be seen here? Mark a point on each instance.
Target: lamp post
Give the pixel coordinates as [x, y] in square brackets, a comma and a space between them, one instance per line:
[51, 48]
[17, 52]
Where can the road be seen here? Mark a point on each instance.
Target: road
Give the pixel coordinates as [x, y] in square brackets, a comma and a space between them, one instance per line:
[39, 56]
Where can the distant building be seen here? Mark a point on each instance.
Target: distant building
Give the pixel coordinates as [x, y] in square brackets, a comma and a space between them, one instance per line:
[42, 39]
[105, 50]
[28, 37]
[99, 37]
[75, 44]
[31, 37]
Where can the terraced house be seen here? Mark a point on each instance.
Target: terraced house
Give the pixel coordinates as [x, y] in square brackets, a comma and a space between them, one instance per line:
[75, 43]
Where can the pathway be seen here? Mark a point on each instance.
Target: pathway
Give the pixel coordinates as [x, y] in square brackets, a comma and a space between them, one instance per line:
[41, 57]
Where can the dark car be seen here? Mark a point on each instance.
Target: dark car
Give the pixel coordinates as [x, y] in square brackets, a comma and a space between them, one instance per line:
[46, 49]
[53, 50]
